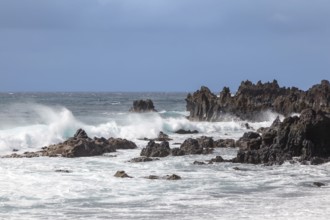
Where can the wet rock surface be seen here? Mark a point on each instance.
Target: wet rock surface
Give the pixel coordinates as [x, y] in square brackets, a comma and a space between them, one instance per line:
[140, 106]
[253, 99]
[306, 137]
[122, 174]
[80, 145]
[182, 131]
[154, 149]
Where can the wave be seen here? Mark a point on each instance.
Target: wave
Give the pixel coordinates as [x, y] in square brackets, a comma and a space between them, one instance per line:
[50, 125]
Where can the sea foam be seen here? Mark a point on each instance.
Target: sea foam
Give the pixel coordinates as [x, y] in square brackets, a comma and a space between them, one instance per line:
[41, 125]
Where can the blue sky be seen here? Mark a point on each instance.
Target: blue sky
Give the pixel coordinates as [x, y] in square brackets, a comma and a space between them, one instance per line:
[161, 45]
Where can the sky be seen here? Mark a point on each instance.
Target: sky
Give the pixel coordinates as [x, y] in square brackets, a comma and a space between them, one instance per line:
[161, 45]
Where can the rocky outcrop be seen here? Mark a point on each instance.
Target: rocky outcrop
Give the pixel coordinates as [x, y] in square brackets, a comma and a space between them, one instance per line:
[253, 99]
[203, 145]
[140, 106]
[119, 143]
[80, 145]
[154, 149]
[306, 137]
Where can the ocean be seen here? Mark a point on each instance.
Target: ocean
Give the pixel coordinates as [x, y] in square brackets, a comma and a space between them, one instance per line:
[31, 189]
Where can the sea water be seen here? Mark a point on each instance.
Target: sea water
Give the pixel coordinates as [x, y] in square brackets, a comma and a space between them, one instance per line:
[31, 189]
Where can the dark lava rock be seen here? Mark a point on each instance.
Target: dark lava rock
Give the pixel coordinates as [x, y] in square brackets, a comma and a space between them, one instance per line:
[163, 137]
[199, 163]
[252, 99]
[172, 177]
[224, 143]
[142, 159]
[80, 134]
[192, 146]
[306, 137]
[79, 146]
[205, 142]
[318, 160]
[63, 171]
[152, 177]
[156, 150]
[122, 174]
[177, 152]
[318, 184]
[119, 143]
[249, 141]
[217, 159]
[167, 177]
[141, 106]
[182, 131]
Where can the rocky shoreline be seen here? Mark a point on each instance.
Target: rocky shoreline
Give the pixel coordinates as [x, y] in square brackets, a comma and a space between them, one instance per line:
[304, 138]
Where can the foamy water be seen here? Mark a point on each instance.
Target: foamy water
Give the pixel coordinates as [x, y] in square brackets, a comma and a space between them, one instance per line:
[31, 189]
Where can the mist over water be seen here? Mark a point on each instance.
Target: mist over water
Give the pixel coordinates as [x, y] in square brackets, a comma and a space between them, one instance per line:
[31, 189]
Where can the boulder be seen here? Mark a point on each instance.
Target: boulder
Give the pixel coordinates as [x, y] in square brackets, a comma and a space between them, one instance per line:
[191, 146]
[118, 143]
[224, 143]
[154, 149]
[122, 174]
[141, 106]
[251, 100]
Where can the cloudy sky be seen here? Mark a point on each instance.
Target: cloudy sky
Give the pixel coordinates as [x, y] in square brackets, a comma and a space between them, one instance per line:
[161, 45]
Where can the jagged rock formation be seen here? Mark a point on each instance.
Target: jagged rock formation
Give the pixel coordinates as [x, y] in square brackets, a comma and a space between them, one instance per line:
[141, 106]
[306, 137]
[202, 145]
[156, 150]
[251, 99]
[80, 145]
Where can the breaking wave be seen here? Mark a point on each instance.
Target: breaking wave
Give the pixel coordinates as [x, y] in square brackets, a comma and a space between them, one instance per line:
[48, 125]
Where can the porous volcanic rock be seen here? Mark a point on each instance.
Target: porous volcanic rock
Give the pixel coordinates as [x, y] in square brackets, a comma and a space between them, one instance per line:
[154, 149]
[141, 106]
[306, 137]
[119, 143]
[251, 100]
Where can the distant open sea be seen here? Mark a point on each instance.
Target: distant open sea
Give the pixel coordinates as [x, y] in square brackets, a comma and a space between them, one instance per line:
[31, 189]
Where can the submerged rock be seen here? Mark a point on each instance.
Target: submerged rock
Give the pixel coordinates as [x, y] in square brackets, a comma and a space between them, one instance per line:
[122, 174]
[318, 184]
[142, 159]
[141, 106]
[182, 131]
[172, 177]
